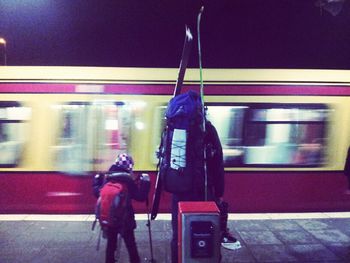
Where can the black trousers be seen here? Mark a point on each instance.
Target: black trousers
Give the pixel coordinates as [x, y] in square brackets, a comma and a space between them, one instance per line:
[130, 243]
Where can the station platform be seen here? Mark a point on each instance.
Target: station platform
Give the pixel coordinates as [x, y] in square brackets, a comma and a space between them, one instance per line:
[305, 237]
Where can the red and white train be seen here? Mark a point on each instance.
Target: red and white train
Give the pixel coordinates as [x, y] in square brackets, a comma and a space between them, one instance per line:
[285, 134]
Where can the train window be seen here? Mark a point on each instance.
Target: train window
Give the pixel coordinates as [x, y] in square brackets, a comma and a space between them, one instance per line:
[228, 121]
[13, 122]
[90, 135]
[159, 116]
[288, 135]
[273, 135]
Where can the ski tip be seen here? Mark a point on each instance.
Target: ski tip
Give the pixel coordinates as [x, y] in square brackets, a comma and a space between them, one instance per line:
[202, 9]
[188, 33]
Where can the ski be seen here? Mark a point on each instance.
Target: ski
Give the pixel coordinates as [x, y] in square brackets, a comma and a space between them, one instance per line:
[184, 61]
[177, 90]
[202, 99]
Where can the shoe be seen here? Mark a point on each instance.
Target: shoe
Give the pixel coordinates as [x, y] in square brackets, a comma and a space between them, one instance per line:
[230, 242]
[231, 245]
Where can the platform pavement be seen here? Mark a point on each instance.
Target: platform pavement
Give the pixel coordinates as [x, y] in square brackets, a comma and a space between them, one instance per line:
[316, 237]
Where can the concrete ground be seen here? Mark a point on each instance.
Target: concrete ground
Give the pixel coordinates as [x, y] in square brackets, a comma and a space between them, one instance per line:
[264, 238]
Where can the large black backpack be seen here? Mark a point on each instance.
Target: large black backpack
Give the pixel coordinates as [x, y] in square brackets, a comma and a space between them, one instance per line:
[181, 151]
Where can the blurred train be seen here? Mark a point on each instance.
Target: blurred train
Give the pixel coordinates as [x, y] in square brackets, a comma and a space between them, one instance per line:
[285, 134]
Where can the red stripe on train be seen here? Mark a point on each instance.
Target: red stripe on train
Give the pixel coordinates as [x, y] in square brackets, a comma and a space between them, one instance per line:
[162, 89]
[246, 192]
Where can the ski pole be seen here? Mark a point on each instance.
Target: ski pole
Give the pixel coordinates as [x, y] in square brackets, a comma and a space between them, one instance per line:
[152, 260]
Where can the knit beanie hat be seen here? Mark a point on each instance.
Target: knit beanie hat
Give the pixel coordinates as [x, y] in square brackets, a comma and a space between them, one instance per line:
[125, 162]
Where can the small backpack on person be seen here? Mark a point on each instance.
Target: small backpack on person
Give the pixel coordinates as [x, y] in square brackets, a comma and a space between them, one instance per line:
[181, 151]
[113, 205]
[111, 208]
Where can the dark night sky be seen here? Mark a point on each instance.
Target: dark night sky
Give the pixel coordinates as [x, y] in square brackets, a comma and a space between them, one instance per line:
[149, 33]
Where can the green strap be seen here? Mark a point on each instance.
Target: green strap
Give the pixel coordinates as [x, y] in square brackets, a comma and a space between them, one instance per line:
[200, 56]
[202, 98]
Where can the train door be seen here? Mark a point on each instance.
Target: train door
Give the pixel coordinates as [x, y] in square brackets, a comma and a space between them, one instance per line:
[91, 135]
[73, 152]
[111, 132]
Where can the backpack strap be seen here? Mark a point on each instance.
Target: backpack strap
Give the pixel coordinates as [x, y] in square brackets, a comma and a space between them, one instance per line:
[120, 177]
